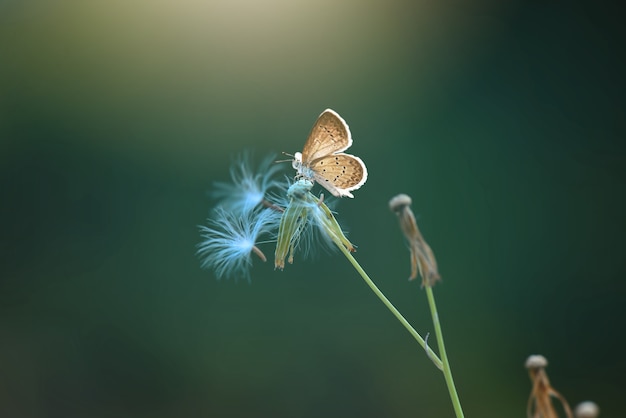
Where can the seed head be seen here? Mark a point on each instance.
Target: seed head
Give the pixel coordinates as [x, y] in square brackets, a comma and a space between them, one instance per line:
[229, 239]
[304, 218]
[249, 187]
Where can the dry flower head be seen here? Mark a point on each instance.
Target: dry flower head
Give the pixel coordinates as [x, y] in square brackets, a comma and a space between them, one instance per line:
[587, 409]
[422, 257]
[540, 400]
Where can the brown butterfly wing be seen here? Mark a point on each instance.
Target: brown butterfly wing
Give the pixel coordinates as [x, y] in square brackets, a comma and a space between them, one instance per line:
[339, 173]
[329, 134]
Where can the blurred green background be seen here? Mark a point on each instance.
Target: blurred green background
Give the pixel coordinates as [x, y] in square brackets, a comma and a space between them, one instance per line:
[503, 120]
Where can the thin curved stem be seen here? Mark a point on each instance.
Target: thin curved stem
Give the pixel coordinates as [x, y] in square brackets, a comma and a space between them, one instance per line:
[447, 373]
[430, 353]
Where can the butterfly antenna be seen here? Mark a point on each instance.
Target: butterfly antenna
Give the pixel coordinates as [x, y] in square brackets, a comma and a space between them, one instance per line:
[285, 161]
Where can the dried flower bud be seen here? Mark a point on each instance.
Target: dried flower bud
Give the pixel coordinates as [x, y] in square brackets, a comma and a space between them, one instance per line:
[536, 361]
[587, 409]
[397, 203]
[422, 257]
[540, 402]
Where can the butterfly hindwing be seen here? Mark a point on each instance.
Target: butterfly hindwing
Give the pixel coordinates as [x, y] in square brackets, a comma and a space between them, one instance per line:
[339, 173]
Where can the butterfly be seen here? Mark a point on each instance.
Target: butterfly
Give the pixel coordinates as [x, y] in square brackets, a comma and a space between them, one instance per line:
[323, 161]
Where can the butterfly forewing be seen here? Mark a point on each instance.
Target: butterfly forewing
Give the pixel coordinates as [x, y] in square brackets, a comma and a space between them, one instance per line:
[330, 134]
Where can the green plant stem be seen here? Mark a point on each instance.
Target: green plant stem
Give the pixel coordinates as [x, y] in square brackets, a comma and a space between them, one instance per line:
[430, 353]
[447, 373]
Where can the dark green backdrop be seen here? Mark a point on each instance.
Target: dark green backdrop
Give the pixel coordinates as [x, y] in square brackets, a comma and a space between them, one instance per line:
[503, 120]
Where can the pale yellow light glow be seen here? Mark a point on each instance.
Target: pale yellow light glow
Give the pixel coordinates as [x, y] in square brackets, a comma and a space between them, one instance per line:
[208, 73]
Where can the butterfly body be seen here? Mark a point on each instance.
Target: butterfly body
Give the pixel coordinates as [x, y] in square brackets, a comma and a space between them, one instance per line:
[323, 161]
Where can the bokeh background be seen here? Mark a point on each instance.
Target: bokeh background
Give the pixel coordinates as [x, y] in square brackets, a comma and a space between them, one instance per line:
[503, 120]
